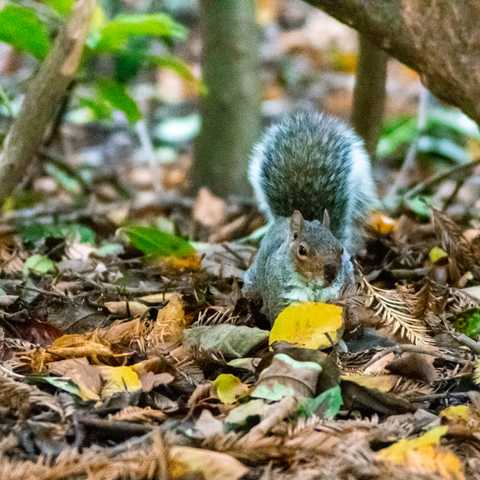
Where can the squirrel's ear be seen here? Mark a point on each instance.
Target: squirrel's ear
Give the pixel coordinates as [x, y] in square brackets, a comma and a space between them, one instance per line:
[326, 218]
[296, 223]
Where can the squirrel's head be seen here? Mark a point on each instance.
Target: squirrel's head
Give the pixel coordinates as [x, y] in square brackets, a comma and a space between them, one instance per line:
[316, 253]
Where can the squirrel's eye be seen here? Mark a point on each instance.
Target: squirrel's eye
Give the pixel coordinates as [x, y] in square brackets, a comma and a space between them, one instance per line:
[302, 251]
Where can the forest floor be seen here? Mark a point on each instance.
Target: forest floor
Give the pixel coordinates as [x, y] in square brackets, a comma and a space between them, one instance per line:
[128, 352]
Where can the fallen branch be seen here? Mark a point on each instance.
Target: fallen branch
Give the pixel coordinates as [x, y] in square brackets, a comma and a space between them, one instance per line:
[44, 95]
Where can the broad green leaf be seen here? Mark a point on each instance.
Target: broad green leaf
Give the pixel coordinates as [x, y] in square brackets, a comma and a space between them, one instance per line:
[454, 120]
[36, 232]
[396, 134]
[21, 28]
[38, 264]
[116, 94]
[114, 34]
[325, 405]
[101, 109]
[154, 242]
[64, 384]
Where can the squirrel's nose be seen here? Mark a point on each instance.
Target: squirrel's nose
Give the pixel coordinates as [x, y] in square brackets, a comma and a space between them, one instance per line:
[329, 273]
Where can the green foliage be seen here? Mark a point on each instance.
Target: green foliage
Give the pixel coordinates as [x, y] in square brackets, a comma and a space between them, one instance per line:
[421, 205]
[21, 28]
[469, 323]
[64, 178]
[62, 7]
[325, 405]
[39, 265]
[154, 242]
[37, 232]
[114, 35]
[444, 136]
[116, 95]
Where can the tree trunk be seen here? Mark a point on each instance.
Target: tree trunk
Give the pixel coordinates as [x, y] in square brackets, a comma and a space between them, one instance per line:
[438, 38]
[230, 110]
[44, 96]
[369, 92]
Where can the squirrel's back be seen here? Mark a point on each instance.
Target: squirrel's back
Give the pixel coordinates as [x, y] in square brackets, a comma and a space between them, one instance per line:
[313, 162]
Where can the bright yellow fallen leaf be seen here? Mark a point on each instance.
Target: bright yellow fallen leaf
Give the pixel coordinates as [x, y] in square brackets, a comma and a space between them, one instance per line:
[383, 383]
[119, 379]
[437, 253]
[424, 456]
[457, 412]
[186, 461]
[229, 388]
[381, 223]
[309, 325]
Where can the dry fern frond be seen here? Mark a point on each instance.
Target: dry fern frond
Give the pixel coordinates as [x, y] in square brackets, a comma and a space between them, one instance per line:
[459, 301]
[455, 244]
[397, 309]
[408, 389]
[21, 398]
[216, 315]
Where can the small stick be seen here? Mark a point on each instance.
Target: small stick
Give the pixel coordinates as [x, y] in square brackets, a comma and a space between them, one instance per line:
[440, 177]
[467, 341]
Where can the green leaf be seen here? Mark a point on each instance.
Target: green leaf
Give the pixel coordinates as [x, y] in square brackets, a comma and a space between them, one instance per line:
[469, 323]
[21, 28]
[114, 34]
[36, 232]
[38, 264]
[117, 96]
[101, 110]
[154, 242]
[325, 405]
[443, 147]
[420, 205]
[64, 179]
[396, 134]
[63, 7]
[64, 384]
[179, 67]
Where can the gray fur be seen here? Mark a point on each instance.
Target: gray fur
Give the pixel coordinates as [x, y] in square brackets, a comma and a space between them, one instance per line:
[309, 162]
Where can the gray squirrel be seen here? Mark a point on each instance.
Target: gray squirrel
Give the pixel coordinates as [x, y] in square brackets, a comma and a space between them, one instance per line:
[313, 181]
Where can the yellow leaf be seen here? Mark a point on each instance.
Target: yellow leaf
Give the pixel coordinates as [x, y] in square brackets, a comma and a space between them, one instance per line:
[309, 325]
[229, 388]
[119, 379]
[189, 262]
[126, 308]
[381, 223]
[186, 461]
[457, 412]
[424, 456]
[383, 383]
[436, 253]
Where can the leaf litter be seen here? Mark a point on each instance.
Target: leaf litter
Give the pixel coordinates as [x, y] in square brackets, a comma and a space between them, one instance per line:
[127, 365]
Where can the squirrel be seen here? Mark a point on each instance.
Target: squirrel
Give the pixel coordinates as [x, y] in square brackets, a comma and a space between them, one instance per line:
[312, 179]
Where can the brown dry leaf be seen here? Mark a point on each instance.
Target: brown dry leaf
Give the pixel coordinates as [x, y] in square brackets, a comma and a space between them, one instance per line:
[152, 374]
[73, 346]
[138, 414]
[123, 333]
[415, 366]
[126, 309]
[424, 456]
[208, 209]
[384, 383]
[381, 223]
[212, 465]
[85, 376]
[169, 324]
[157, 298]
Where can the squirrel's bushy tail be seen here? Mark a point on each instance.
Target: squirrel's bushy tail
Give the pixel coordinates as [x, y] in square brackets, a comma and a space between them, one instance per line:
[314, 162]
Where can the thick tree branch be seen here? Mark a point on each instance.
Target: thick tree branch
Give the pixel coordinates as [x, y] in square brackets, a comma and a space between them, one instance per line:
[438, 38]
[43, 97]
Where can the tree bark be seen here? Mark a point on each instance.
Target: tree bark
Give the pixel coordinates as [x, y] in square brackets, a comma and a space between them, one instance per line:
[440, 39]
[230, 110]
[369, 92]
[44, 95]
